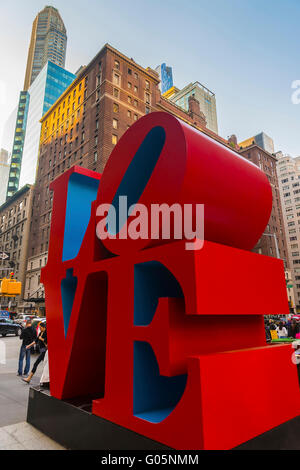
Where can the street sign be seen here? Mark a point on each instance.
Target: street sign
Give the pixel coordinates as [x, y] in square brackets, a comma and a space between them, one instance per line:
[290, 286]
[4, 256]
[4, 314]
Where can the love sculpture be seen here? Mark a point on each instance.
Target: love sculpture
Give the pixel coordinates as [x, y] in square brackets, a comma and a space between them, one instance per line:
[169, 342]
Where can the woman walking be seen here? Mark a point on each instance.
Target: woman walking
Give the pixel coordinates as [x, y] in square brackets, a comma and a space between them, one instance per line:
[42, 342]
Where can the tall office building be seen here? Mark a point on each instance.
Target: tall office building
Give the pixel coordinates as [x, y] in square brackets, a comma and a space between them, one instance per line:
[48, 86]
[34, 103]
[48, 42]
[288, 170]
[4, 172]
[262, 140]
[18, 144]
[206, 98]
[166, 77]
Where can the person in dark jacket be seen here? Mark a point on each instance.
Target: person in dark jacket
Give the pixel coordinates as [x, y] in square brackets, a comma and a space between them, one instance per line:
[272, 325]
[42, 342]
[27, 336]
[293, 329]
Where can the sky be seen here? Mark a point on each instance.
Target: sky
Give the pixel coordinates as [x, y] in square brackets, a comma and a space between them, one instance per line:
[246, 51]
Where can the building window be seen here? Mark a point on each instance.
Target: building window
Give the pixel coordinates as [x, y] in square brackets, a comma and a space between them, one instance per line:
[129, 99]
[147, 110]
[115, 123]
[147, 85]
[135, 103]
[114, 139]
[135, 117]
[116, 108]
[117, 65]
[129, 85]
[116, 93]
[95, 156]
[129, 113]
[129, 72]
[116, 79]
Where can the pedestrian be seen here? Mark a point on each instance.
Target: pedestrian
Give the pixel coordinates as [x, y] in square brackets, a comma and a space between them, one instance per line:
[281, 331]
[41, 340]
[294, 329]
[45, 381]
[28, 336]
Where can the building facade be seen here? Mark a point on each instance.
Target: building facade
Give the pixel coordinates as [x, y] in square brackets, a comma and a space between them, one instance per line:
[288, 169]
[4, 172]
[262, 140]
[206, 98]
[272, 241]
[44, 91]
[166, 77]
[48, 42]
[18, 145]
[15, 228]
[83, 126]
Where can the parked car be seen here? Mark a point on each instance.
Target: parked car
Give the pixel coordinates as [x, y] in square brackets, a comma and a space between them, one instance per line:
[8, 327]
[22, 318]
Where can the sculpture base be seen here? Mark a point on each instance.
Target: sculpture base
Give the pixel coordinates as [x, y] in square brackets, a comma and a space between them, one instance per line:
[72, 425]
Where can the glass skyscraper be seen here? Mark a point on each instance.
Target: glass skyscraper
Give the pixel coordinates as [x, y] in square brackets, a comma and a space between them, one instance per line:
[206, 98]
[18, 144]
[48, 42]
[44, 91]
[166, 77]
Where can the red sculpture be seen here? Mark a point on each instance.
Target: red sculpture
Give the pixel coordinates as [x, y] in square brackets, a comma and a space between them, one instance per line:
[169, 342]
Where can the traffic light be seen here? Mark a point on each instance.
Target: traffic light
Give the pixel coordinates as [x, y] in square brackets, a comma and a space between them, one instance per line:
[10, 287]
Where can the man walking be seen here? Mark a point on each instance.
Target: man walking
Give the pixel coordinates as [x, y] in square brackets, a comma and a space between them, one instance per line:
[28, 336]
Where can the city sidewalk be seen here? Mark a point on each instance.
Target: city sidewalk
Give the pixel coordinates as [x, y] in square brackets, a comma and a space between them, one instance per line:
[23, 436]
[15, 432]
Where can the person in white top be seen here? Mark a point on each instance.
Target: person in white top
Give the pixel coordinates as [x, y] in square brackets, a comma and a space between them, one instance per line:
[281, 331]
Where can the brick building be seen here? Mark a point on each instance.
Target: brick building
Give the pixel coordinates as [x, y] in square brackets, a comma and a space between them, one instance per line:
[273, 241]
[84, 125]
[15, 227]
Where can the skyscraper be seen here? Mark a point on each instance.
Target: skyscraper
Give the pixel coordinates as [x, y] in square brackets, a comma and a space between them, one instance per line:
[48, 42]
[262, 139]
[166, 77]
[50, 83]
[206, 98]
[288, 170]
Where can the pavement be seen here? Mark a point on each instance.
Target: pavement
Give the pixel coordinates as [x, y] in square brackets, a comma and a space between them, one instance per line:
[23, 436]
[15, 433]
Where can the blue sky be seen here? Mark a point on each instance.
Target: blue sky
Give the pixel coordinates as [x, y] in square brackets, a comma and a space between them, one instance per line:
[246, 51]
